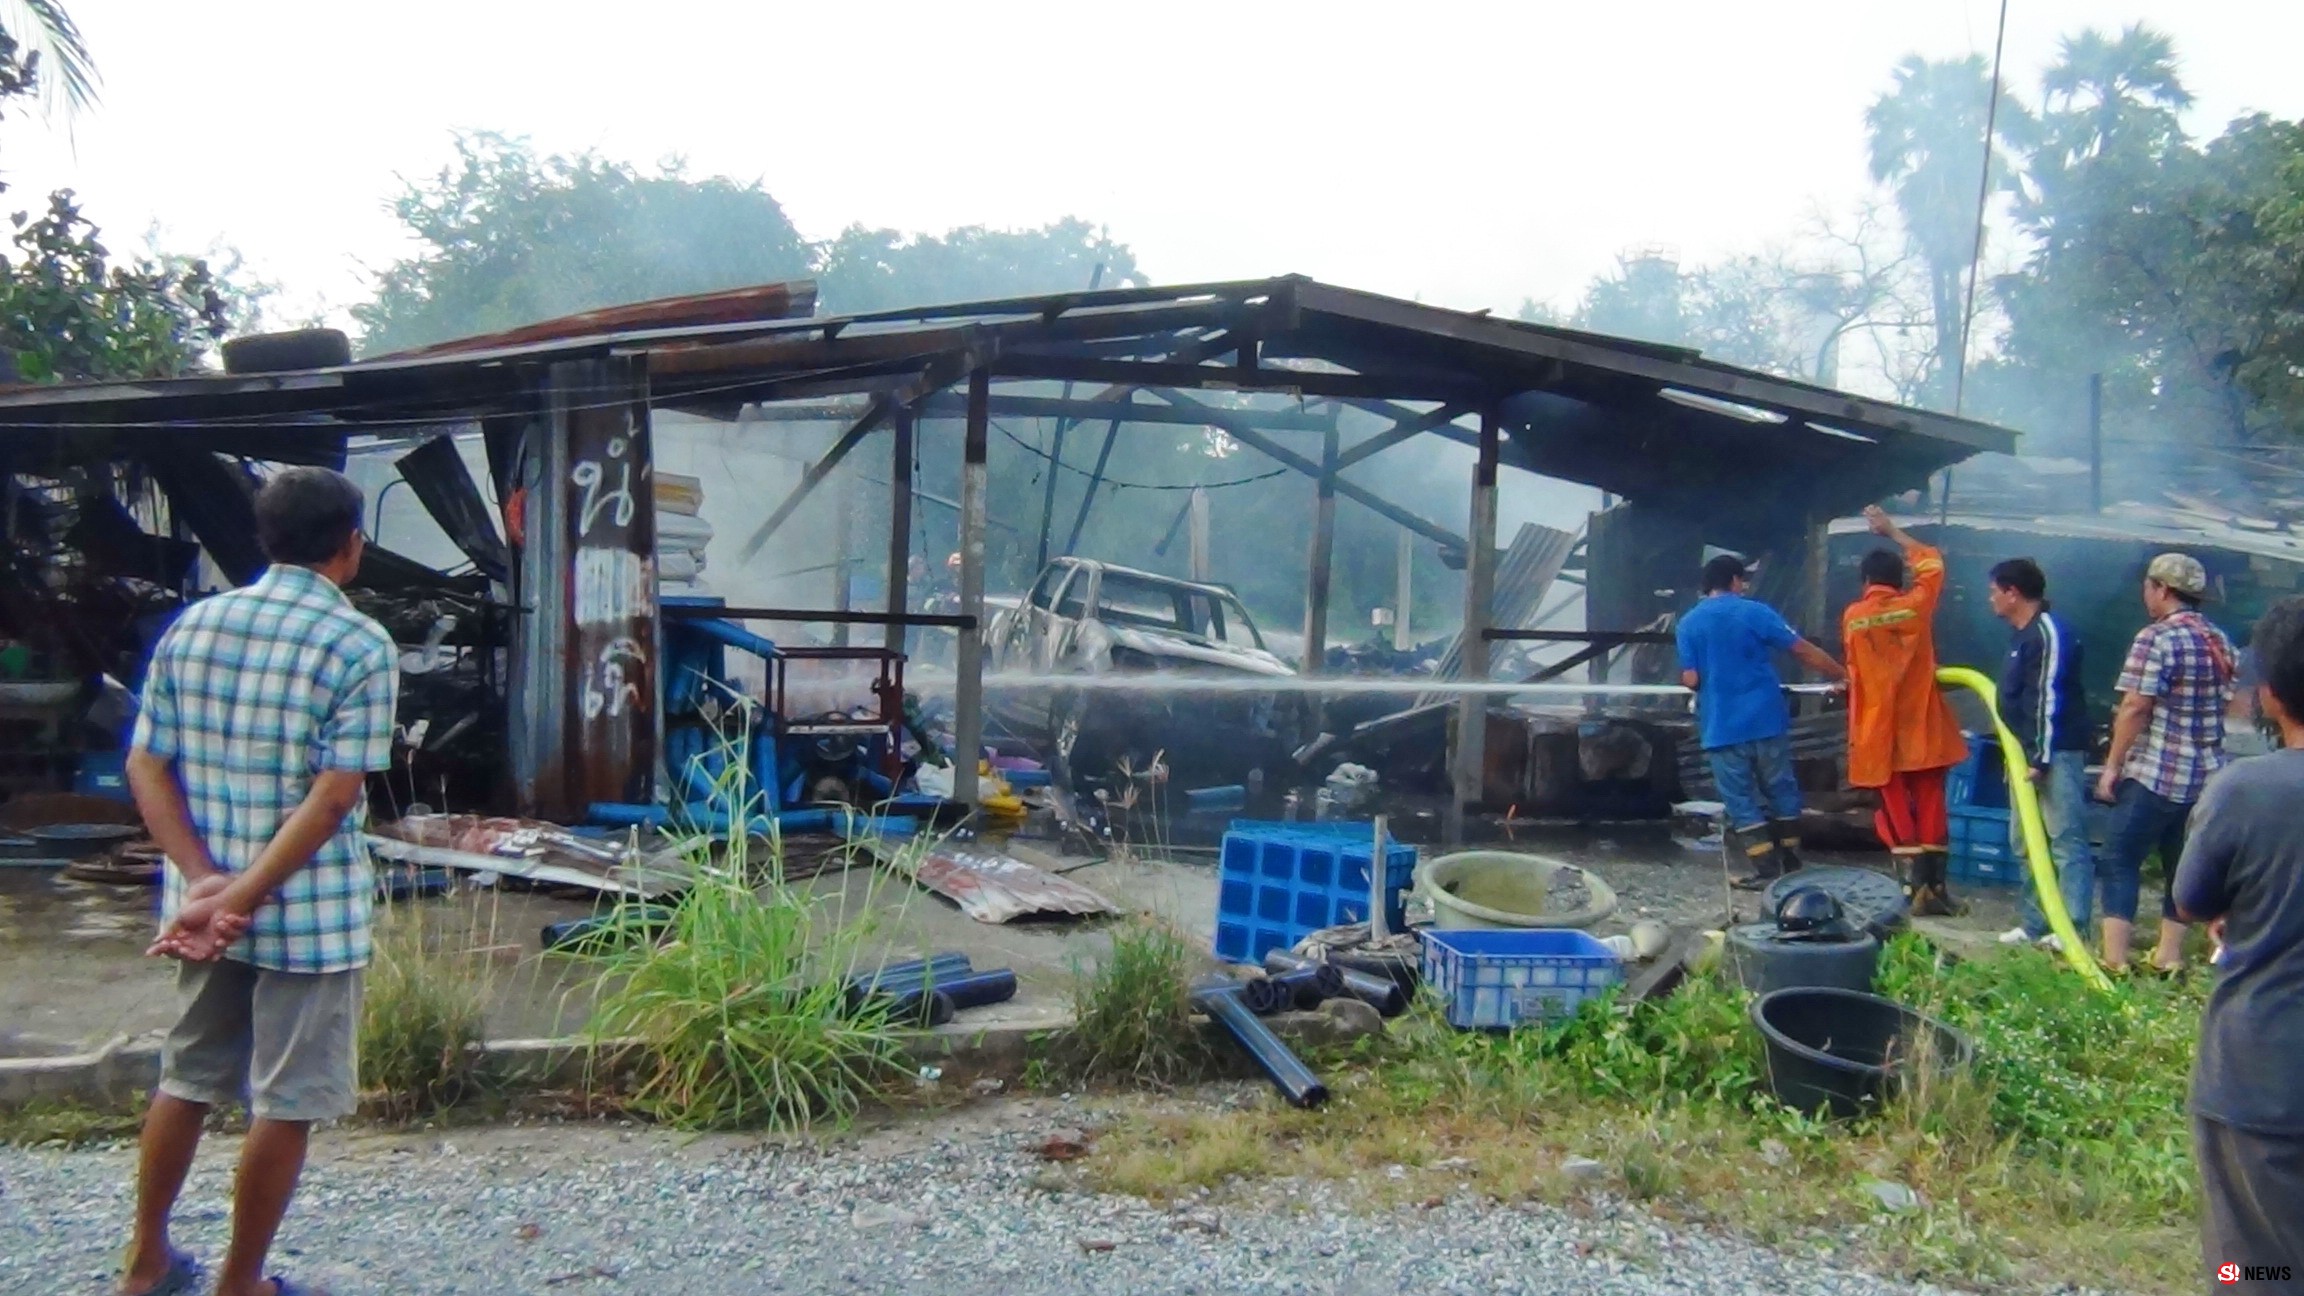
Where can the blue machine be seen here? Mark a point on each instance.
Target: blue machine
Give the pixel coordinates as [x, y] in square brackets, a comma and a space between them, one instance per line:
[728, 762]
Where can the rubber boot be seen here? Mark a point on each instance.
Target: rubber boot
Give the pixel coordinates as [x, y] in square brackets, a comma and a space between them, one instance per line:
[1931, 893]
[1786, 855]
[1758, 849]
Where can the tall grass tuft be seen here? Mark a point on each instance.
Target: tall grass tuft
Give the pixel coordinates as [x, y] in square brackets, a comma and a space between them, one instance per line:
[421, 1019]
[739, 1008]
[1132, 1012]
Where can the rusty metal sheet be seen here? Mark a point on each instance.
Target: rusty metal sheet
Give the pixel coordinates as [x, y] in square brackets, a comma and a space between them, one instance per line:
[795, 300]
[526, 848]
[992, 886]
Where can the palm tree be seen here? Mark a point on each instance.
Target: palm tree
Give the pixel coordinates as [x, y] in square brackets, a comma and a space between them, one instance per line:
[2106, 88]
[46, 33]
[1926, 138]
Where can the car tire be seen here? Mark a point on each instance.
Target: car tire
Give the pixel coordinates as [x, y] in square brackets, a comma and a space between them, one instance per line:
[312, 348]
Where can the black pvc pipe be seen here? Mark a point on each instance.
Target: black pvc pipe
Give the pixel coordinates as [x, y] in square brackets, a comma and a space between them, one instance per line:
[919, 1007]
[1261, 996]
[979, 989]
[1283, 1068]
[1381, 993]
[897, 978]
[1310, 987]
[943, 966]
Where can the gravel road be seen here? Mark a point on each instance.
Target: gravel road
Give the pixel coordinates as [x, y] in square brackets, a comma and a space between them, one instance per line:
[960, 1205]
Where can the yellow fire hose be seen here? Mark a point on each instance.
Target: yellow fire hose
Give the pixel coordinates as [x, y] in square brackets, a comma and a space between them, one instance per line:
[2025, 803]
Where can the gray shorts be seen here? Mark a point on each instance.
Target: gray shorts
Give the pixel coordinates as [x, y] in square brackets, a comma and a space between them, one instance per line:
[288, 1042]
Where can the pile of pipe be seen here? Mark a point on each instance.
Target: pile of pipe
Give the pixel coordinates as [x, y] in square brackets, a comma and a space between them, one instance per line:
[930, 991]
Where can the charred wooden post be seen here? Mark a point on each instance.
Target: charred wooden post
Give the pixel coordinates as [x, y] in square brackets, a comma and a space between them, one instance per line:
[1468, 758]
[900, 532]
[968, 689]
[1323, 553]
[584, 686]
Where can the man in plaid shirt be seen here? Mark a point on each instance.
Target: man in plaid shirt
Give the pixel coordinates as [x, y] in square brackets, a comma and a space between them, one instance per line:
[264, 711]
[2167, 738]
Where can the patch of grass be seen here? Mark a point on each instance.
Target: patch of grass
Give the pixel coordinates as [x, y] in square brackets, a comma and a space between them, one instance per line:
[2063, 1156]
[1132, 1012]
[67, 1125]
[422, 1018]
[741, 1006]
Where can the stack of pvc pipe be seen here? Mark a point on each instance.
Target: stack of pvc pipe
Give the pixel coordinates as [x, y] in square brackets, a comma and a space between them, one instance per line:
[681, 534]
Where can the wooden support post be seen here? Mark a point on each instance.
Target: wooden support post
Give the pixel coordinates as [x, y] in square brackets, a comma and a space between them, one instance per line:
[1323, 553]
[1469, 760]
[1048, 492]
[584, 723]
[1403, 596]
[1816, 624]
[968, 689]
[900, 532]
[843, 562]
[1202, 560]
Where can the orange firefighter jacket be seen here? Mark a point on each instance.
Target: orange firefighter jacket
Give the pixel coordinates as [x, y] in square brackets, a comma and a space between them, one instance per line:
[1897, 720]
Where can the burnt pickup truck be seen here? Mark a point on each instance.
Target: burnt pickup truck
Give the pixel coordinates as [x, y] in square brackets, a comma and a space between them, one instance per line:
[1084, 620]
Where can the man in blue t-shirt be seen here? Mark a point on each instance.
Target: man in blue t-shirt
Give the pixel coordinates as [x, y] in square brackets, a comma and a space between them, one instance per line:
[1727, 655]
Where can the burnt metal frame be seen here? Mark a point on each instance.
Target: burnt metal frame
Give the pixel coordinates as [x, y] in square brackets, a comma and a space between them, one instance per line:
[1582, 407]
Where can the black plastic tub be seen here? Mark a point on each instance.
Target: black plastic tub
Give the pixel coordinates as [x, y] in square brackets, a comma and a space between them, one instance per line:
[1839, 1051]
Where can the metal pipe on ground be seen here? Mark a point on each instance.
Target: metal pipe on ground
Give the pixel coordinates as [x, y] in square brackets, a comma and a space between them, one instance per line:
[1287, 1072]
[1381, 993]
[1310, 987]
[940, 967]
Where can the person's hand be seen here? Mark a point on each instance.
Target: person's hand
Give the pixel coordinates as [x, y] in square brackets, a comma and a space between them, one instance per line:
[2108, 785]
[1837, 688]
[1876, 518]
[204, 926]
[2039, 773]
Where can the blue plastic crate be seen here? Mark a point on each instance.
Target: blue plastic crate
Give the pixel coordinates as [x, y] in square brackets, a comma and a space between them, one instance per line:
[1501, 978]
[103, 774]
[1981, 781]
[1982, 853]
[1278, 883]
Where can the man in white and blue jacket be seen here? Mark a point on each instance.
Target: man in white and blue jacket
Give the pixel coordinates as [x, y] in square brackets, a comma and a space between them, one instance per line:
[2044, 704]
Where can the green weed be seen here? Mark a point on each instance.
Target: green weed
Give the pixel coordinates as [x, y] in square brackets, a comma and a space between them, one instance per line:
[1132, 1012]
[421, 1018]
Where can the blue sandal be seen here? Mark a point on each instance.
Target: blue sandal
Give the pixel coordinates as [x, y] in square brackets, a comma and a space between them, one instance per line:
[282, 1287]
[182, 1276]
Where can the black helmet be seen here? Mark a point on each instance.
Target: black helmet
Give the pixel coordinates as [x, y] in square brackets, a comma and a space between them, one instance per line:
[1808, 909]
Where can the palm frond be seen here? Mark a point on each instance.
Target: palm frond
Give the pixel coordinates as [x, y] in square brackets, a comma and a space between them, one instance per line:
[67, 70]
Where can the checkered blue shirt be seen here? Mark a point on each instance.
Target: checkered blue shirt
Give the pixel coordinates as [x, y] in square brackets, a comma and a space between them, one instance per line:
[2186, 666]
[251, 695]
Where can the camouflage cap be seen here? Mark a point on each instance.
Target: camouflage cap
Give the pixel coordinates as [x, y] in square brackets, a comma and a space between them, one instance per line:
[2179, 572]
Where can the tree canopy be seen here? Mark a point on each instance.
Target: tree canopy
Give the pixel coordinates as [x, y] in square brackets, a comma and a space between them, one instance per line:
[70, 308]
[510, 237]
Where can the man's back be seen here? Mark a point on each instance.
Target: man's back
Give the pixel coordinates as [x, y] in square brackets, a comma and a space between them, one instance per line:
[1897, 720]
[2245, 860]
[1729, 641]
[251, 695]
[2186, 666]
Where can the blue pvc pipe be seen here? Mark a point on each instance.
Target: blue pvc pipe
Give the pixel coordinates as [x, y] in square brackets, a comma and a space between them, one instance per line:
[1283, 1068]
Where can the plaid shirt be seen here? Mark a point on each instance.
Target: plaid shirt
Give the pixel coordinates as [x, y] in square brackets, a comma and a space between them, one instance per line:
[251, 695]
[2186, 666]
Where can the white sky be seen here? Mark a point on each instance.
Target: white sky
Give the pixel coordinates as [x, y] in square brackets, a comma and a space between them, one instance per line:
[1467, 154]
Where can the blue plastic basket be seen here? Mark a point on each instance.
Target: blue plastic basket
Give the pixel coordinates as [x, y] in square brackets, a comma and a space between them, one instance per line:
[1982, 852]
[103, 774]
[1497, 979]
[1278, 883]
[1981, 781]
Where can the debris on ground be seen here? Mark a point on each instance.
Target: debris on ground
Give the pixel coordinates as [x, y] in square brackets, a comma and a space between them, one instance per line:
[989, 885]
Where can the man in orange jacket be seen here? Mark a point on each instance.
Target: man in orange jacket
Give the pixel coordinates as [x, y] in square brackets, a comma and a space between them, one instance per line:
[1902, 736]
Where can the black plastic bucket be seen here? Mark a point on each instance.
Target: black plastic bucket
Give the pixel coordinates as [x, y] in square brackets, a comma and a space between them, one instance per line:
[1838, 1051]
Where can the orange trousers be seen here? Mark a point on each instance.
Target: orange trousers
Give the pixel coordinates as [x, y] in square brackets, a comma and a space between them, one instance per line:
[1912, 816]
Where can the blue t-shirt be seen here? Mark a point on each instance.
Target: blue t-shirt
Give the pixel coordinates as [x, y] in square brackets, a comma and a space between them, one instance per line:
[1728, 640]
